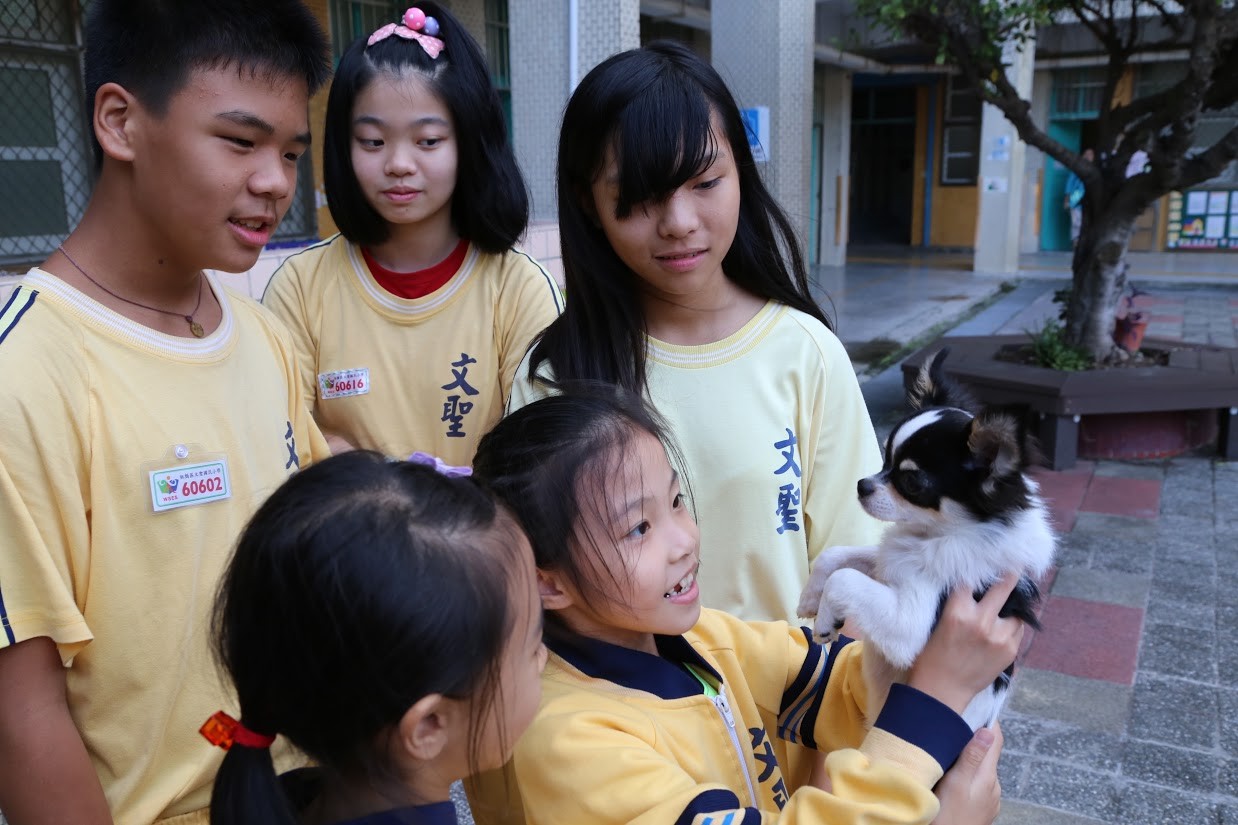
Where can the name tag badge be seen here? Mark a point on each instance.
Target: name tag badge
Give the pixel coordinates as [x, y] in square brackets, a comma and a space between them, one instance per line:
[343, 383]
[188, 484]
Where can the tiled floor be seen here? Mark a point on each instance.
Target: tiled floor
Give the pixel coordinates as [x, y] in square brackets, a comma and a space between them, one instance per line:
[1125, 708]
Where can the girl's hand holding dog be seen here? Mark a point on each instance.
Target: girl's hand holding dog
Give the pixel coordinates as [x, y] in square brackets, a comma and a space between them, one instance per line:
[969, 647]
[969, 792]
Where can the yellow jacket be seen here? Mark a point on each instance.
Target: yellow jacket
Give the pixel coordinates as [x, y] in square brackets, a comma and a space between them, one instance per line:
[627, 737]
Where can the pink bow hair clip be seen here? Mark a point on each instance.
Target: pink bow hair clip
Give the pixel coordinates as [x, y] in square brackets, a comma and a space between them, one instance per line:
[440, 466]
[415, 26]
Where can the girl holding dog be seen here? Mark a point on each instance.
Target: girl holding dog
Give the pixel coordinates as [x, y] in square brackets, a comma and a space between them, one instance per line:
[685, 283]
[657, 711]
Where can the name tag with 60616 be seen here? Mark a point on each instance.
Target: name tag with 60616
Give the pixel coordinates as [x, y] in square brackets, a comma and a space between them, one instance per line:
[343, 383]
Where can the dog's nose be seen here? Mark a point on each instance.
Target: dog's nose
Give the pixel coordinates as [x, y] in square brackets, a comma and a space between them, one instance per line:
[865, 487]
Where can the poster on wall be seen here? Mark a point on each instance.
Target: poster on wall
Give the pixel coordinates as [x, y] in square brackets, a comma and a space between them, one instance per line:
[1203, 220]
[756, 124]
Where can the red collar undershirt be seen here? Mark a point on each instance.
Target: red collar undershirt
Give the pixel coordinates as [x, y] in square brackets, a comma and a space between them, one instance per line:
[422, 282]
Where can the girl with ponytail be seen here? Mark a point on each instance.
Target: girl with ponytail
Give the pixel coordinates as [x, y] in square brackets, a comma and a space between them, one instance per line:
[383, 618]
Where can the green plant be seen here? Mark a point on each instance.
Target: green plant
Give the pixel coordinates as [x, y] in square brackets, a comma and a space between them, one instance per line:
[1049, 349]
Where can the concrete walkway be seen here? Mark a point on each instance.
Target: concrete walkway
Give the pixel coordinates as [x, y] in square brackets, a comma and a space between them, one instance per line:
[1125, 708]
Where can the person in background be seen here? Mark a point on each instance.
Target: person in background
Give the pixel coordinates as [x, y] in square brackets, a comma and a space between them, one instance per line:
[1074, 199]
[411, 321]
[685, 284]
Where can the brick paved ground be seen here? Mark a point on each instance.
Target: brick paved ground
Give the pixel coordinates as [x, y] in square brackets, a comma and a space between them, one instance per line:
[1125, 709]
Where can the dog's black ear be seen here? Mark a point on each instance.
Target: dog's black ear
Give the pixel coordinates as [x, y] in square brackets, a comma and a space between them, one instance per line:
[996, 445]
[932, 388]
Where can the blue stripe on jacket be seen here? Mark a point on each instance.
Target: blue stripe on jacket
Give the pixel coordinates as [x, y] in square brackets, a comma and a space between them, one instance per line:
[720, 807]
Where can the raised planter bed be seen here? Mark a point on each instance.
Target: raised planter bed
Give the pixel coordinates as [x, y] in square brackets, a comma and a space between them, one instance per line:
[1196, 378]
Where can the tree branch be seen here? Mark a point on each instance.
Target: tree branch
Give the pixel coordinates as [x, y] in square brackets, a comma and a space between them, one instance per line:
[1105, 35]
[1208, 164]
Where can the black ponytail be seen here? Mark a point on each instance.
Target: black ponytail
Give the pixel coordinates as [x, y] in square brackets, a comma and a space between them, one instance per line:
[247, 790]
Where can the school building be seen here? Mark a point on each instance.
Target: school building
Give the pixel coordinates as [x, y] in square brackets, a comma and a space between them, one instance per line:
[868, 142]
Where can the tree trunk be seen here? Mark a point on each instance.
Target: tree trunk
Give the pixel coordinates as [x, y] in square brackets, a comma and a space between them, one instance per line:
[1099, 277]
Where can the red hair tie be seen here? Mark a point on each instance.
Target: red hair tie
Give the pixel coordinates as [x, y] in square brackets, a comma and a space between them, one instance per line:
[223, 731]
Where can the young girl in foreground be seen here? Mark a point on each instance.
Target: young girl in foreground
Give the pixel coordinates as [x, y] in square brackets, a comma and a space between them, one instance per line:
[361, 618]
[685, 283]
[411, 322]
[656, 711]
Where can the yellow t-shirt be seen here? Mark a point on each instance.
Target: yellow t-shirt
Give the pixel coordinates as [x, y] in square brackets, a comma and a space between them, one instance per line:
[130, 460]
[774, 434]
[623, 736]
[396, 374]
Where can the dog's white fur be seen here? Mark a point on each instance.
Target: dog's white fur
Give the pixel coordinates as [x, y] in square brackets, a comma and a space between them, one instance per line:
[891, 591]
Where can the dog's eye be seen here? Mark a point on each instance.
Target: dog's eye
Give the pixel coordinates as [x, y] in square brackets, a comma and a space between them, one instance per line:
[911, 483]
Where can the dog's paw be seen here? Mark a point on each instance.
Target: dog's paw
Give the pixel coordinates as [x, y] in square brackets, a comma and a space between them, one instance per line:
[826, 633]
[826, 625]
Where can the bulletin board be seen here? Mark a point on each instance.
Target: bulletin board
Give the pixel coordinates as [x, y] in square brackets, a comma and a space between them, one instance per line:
[1203, 219]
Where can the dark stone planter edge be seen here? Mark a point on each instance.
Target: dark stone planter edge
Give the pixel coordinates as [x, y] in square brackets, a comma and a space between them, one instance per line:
[1198, 378]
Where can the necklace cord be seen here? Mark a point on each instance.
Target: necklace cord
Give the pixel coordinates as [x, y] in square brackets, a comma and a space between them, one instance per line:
[194, 327]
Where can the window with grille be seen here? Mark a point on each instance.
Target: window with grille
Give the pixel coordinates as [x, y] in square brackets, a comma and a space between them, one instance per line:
[352, 18]
[498, 53]
[960, 135]
[45, 161]
[1077, 94]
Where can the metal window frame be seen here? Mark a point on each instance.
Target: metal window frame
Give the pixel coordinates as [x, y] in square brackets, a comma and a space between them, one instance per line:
[60, 58]
[953, 123]
[1082, 83]
[352, 18]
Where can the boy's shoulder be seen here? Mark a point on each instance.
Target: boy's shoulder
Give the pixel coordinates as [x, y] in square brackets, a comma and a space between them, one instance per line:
[43, 355]
[33, 329]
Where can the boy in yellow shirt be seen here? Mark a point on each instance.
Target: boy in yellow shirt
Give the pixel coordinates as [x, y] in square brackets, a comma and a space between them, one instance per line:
[147, 410]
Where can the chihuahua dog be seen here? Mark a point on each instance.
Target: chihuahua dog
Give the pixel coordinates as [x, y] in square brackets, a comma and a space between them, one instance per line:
[962, 512]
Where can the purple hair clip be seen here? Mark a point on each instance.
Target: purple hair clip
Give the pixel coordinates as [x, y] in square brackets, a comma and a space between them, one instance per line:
[415, 26]
[440, 466]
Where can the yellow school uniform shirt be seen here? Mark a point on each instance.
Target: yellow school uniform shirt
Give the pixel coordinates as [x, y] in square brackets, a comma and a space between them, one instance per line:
[774, 434]
[399, 375]
[623, 736]
[129, 463]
